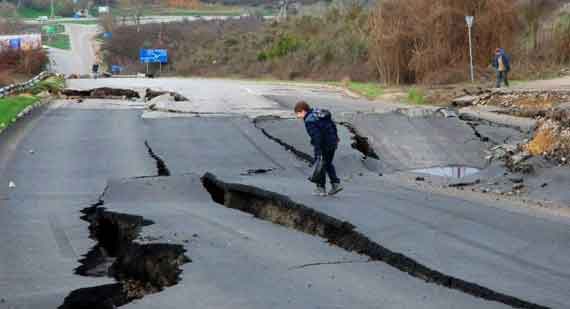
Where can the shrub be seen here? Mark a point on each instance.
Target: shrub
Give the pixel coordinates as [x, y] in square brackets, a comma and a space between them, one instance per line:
[24, 62]
[52, 84]
[416, 96]
[284, 45]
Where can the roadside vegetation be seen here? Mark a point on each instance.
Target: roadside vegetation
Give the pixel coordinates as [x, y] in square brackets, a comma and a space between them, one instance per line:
[28, 12]
[330, 47]
[416, 96]
[59, 40]
[386, 43]
[189, 8]
[21, 65]
[370, 90]
[53, 84]
[10, 107]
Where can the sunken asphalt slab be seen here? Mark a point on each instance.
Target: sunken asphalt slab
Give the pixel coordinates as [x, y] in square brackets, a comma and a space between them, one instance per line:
[239, 261]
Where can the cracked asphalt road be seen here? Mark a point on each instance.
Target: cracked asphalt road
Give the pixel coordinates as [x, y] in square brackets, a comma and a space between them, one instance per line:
[63, 159]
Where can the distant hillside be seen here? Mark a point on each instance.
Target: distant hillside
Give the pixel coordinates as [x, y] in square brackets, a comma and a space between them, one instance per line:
[263, 3]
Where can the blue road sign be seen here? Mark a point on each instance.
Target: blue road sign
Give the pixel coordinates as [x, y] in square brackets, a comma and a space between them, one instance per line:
[15, 43]
[153, 55]
[116, 69]
[107, 35]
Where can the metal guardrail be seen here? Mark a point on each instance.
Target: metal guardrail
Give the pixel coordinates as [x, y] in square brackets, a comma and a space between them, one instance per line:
[16, 88]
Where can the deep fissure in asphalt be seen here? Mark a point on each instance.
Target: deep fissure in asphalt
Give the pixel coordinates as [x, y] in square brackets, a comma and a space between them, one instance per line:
[160, 164]
[482, 138]
[360, 142]
[101, 93]
[473, 122]
[140, 269]
[282, 210]
[299, 154]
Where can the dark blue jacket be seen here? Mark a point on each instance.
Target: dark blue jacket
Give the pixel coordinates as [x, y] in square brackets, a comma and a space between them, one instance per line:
[506, 61]
[322, 130]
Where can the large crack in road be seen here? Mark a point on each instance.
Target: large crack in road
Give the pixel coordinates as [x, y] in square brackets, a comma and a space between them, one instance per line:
[359, 142]
[281, 210]
[299, 154]
[140, 269]
[161, 166]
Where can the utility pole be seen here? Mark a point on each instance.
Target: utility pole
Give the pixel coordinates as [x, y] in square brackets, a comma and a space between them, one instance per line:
[283, 10]
[52, 10]
[469, 21]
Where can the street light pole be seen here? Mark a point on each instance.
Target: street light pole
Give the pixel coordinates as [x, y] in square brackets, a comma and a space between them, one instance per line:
[469, 20]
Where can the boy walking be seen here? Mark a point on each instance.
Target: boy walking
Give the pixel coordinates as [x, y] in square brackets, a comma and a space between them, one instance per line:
[324, 138]
[502, 65]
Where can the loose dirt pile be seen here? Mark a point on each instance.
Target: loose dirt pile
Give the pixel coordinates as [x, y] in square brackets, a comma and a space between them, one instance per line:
[551, 138]
[517, 99]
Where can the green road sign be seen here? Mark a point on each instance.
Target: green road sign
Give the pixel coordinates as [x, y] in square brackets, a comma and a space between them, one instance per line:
[51, 29]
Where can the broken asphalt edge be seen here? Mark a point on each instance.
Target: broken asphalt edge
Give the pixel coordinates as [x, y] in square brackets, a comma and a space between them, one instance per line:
[475, 114]
[281, 210]
[139, 269]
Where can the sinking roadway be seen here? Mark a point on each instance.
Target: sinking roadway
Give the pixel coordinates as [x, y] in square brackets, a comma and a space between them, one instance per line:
[205, 204]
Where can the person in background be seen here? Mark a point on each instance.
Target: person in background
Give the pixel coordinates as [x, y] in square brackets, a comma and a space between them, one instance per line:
[502, 65]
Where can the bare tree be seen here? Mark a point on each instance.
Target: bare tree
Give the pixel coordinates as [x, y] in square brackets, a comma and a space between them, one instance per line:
[532, 12]
[133, 8]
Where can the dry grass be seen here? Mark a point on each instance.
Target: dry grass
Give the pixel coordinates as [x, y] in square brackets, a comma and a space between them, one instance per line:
[552, 139]
[6, 78]
[539, 103]
[408, 47]
[543, 142]
[28, 62]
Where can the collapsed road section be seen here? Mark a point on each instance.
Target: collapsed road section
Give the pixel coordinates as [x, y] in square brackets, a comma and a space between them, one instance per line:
[139, 269]
[360, 142]
[281, 210]
[101, 93]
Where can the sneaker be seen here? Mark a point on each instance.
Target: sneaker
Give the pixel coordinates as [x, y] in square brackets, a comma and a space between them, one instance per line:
[336, 188]
[320, 191]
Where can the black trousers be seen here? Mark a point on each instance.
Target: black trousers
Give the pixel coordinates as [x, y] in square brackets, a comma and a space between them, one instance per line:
[502, 76]
[328, 157]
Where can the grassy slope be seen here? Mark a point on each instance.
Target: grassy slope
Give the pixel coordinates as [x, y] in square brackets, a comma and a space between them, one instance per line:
[60, 41]
[32, 13]
[209, 10]
[369, 90]
[10, 107]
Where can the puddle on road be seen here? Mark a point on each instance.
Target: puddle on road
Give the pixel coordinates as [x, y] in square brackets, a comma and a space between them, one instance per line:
[449, 171]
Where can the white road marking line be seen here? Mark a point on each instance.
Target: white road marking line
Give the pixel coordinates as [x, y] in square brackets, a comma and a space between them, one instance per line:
[248, 90]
